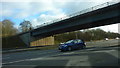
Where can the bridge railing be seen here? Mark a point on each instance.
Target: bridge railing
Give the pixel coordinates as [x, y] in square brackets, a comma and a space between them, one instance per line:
[79, 13]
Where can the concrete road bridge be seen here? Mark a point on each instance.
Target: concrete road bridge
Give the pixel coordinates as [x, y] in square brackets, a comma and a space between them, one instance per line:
[100, 15]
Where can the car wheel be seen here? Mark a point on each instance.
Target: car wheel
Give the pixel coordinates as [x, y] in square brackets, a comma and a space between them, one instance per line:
[69, 49]
[83, 47]
[61, 50]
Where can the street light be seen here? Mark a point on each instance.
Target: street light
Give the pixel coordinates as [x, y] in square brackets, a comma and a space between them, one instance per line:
[76, 34]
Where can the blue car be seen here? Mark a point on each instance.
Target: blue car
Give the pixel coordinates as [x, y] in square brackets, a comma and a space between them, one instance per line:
[72, 45]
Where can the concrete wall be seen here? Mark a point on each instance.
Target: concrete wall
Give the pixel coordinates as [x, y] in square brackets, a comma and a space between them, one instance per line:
[43, 41]
[28, 40]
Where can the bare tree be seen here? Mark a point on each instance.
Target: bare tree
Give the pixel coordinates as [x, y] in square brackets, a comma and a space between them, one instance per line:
[26, 26]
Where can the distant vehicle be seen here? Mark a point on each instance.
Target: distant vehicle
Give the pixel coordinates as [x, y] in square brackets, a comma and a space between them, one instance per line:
[72, 45]
[106, 39]
[117, 38]
[61, 43]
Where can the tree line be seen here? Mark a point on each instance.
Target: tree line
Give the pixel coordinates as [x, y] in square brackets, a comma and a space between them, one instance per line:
[8, 28]
[9, 33]
[86, 35]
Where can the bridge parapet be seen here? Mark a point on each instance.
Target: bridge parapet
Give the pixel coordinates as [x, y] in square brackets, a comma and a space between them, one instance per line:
[79, 13]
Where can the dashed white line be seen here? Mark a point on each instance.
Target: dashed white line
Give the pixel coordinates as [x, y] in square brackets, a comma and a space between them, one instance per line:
[16, 61]
[69, 53]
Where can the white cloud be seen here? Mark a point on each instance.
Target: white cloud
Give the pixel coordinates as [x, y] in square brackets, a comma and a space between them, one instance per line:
[55, 0]
[14, 10]
[25, 8]
[48, 18]
[6, 13]
[111, 28]
[35, 22]
[22, 9]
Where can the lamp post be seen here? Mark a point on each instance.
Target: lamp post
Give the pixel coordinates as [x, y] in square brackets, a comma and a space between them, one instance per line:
[76, 34]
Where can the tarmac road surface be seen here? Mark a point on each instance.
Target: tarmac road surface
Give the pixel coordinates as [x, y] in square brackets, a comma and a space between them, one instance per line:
[91, 56]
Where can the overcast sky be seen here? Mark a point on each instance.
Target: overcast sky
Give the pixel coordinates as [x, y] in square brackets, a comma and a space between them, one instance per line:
[41, 11]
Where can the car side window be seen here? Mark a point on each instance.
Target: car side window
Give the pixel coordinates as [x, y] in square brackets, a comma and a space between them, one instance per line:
[79, 41]
[75, 41]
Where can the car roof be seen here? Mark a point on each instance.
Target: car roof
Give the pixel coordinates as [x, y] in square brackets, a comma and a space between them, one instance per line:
[76, 39]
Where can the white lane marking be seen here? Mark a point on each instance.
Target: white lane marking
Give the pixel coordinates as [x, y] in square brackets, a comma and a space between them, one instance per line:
[36, 59]
[69, 53]
[26, 60]
[105, 51]
[16, 61]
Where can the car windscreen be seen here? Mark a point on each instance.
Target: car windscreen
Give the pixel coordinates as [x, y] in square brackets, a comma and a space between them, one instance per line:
[69, 41]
